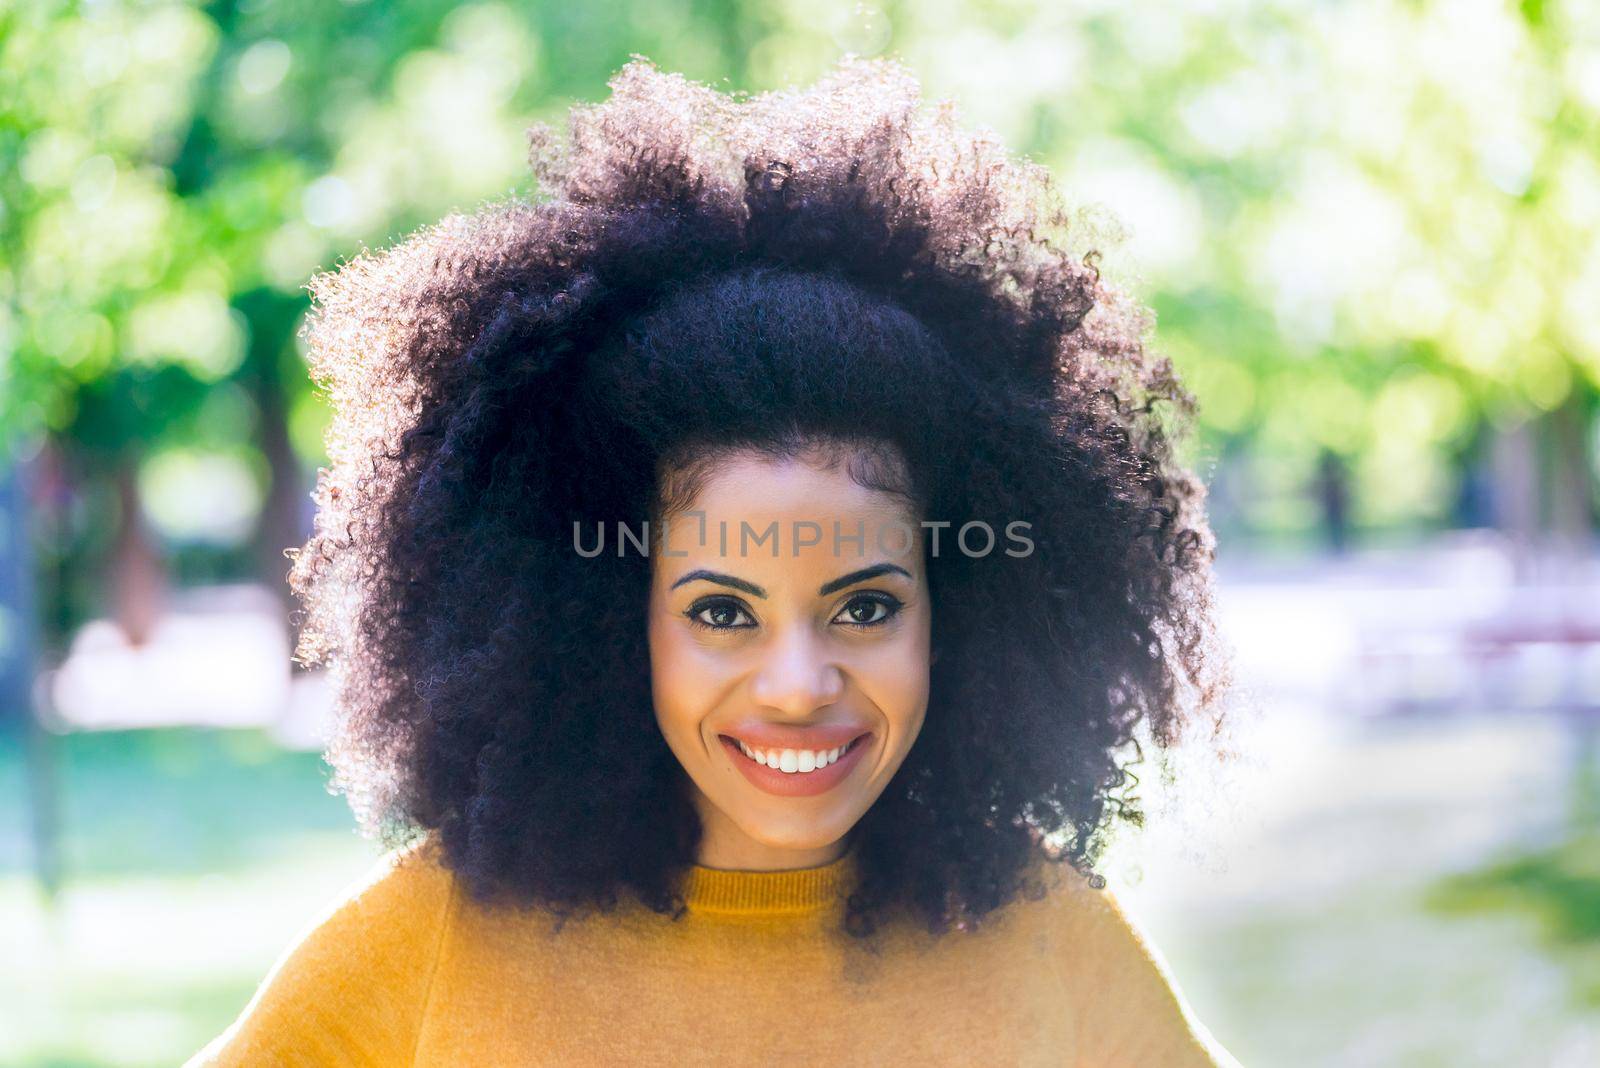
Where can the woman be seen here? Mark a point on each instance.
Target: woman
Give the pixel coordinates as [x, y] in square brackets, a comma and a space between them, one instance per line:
[747, 571]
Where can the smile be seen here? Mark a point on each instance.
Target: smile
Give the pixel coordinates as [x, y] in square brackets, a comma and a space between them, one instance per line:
[793, 772]
[796, 761]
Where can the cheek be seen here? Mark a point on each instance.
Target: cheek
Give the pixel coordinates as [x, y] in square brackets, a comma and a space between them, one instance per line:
[681, 680]
[896, 680]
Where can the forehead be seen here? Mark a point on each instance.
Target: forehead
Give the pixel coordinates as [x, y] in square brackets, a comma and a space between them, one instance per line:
[746, 482]
[774, 515]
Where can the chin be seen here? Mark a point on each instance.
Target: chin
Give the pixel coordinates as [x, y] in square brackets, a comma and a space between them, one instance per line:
[798, 837]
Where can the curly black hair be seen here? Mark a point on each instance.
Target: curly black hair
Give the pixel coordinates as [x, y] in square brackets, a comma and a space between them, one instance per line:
[701, 271]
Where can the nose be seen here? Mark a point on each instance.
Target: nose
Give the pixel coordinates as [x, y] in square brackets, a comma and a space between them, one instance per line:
[797, 675]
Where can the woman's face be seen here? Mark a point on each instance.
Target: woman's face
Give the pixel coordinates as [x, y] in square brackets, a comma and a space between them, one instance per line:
[790, 684]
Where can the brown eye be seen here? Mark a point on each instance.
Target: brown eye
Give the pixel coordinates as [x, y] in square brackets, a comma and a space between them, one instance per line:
[718, 613]
[868, 610]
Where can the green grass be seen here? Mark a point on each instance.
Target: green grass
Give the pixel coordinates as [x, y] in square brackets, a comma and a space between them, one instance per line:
[190, 860]
[171, 801]
[1558, 887]
[1373, 978]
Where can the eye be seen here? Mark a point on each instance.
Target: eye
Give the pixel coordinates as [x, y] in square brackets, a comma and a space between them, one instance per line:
[868, 610]
[718, 613]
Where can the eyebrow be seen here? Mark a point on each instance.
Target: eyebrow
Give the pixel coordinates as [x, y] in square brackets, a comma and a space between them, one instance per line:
[826, 588]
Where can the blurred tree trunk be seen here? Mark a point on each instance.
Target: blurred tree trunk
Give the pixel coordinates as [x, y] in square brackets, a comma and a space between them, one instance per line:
[1514, 461]
[279, 525]
[18, 619]
[138, 574]
[1544, 484]
[1333, 497]
[1569, 494]
[272, 318]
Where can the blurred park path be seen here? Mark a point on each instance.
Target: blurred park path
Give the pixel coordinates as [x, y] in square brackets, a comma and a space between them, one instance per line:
[1304, 893]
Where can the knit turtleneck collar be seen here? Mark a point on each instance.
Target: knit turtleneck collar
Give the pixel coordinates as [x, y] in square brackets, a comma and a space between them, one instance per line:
[757, 892]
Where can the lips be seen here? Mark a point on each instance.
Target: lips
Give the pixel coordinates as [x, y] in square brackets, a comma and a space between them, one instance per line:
[803, 764]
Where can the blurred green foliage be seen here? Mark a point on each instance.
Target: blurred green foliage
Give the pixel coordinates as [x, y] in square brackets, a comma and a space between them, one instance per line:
[1367, 228]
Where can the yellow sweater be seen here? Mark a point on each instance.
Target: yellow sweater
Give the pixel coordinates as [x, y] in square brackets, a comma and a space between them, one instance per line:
[405, 970]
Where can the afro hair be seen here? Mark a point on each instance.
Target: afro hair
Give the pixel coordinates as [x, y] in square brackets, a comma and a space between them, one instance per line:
[698, 271]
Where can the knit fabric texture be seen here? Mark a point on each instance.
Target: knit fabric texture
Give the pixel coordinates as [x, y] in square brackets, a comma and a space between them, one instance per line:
[404, 968]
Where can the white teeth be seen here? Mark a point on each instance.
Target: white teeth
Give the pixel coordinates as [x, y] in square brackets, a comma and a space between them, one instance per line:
[793, 761]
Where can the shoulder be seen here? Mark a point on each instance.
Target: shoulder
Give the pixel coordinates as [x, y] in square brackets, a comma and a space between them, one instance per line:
[1128, 1004]
[351, 986]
